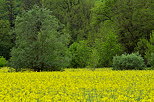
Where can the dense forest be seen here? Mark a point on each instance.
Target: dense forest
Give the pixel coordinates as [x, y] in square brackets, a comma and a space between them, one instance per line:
[55, 34]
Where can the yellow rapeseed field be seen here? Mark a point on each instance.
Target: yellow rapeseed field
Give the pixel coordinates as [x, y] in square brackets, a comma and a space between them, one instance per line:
[78, 86]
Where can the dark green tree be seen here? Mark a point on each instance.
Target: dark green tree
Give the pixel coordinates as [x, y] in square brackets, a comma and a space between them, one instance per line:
[28, 4]
[40, 42]
[75, 14]
[134, 19]
[5, 39]
[9, 9]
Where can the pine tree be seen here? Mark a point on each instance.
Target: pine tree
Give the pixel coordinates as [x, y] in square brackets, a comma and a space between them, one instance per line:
[40, 43]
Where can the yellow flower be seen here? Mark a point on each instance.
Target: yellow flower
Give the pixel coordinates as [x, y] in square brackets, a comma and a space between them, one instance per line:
[79, 85]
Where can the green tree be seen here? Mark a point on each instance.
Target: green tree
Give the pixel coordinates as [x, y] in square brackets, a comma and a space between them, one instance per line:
[107, 48]
[75, 14]
[150, 49]
[9, 9]
[40, 44]
[93, 60]
[142, 47]
[134, 19]
[106, 42]
[5, 39]
[80, 52]
[28, 4]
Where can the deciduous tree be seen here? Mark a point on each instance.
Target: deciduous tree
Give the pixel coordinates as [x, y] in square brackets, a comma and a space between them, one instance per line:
[40, 43]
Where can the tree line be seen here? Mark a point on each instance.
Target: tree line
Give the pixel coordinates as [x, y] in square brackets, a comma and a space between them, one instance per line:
[52, 34]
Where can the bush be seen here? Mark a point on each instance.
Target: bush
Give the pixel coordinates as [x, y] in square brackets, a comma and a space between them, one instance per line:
[128, 62]
[3, 61]
[25, 70]
[6, 70]
[149, 68]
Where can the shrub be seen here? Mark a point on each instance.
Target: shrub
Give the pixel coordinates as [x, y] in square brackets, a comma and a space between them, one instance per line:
[128, 62]
[6, 70]
[149, 68]
[3, 61]
[26, 70]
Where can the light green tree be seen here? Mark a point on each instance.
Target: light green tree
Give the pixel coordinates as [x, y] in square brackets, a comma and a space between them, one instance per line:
[107, 44]
[107, 49]
[80, 53]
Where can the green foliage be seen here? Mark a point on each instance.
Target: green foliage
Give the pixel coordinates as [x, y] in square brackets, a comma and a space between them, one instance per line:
[150, 68]
[3, 61]
[5, 39]
[8, 11]
[40, 42]
[133, 19]
[108, 27]
[94, 58]
[142, 47]
[26, 70]
[150, 50]
[75, 14]
[80, 54]
[128, 62]
[107, 46]
[98, 55]
[106, 42]
[151, 60]
[7, 70]
[28, 4]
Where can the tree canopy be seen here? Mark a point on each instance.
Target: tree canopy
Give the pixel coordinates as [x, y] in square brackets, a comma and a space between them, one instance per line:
[39, 44]
[74, 33]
